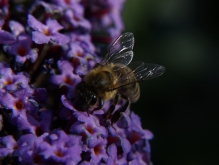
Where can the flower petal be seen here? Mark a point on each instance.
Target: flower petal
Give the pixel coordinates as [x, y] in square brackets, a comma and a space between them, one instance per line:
[40, 38]
[59, 38]
[35, 24]
[6, 37]
[16, 27]
[53, 26]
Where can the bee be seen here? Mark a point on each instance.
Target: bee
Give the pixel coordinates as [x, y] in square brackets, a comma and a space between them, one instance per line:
[114, 78]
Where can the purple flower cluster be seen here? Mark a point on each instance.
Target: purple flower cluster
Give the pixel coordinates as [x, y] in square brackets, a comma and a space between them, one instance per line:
[46, 46]
[105, 17]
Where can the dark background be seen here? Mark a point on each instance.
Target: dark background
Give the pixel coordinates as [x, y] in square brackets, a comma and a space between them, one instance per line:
[181, 106]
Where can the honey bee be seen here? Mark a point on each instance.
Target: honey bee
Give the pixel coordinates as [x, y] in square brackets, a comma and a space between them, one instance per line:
[114, 78]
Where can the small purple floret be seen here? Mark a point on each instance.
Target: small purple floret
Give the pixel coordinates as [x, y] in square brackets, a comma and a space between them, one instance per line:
[22, 51]
[44, 33]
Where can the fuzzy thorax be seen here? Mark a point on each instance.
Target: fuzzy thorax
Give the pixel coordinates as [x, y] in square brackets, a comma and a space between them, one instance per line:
[100, 80]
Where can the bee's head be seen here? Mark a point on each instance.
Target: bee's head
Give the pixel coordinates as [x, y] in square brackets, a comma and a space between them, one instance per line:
[84, 98]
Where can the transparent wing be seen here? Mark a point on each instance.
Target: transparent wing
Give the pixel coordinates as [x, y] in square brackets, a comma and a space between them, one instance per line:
[120, 52]
[138, 71]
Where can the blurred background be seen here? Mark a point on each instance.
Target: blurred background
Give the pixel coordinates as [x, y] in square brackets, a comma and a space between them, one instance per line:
[180, 107]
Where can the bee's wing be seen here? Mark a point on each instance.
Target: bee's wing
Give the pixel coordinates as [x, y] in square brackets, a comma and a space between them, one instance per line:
[120, 51]
[139, 71]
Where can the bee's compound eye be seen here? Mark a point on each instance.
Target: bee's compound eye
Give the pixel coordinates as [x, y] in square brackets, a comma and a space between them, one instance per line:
[93, 100]
[78, 94]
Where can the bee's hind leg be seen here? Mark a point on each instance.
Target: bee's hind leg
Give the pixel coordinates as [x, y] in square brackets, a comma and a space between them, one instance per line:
[112, 107]
[116, 116]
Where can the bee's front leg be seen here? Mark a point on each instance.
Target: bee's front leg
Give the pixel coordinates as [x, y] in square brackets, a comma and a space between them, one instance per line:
[100, 105]
[116, 116]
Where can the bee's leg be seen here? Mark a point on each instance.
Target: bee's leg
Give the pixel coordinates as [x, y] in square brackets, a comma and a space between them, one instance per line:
[87, 113]
[112, 106]
[100, 105]
[87, 110]
[116, 116]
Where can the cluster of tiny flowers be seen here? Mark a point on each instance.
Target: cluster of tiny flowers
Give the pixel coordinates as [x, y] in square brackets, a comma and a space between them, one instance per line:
[45, 47]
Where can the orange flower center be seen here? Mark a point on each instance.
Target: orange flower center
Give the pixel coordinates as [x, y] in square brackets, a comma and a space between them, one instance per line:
[59, 154]
[46, 32]
[76, 18]
[134, 137]
[90, 129]
[19, 105]
[67, 1]
[21, 51]
[8, 82]
[78, 54]
[97, 150]
[68, 80]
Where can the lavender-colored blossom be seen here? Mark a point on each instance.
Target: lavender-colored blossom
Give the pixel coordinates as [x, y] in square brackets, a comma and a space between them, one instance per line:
[11, 81]
[98, 152]
[74, 4]
[26, 122]
[113, 158]
[42, 125]
[63, 148]
[105, 17]
[30, 148]
[83, 40]
[73, 15]
[77, 51]
[81, 51]
[74, 20]
[21, 50]
[8, 145]
[45, 33]
[121, 143]
[138, 160]
[6, 37]
[67, 77]
[89, 129]
[18, 102]
[135, 130]
[16, 28]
